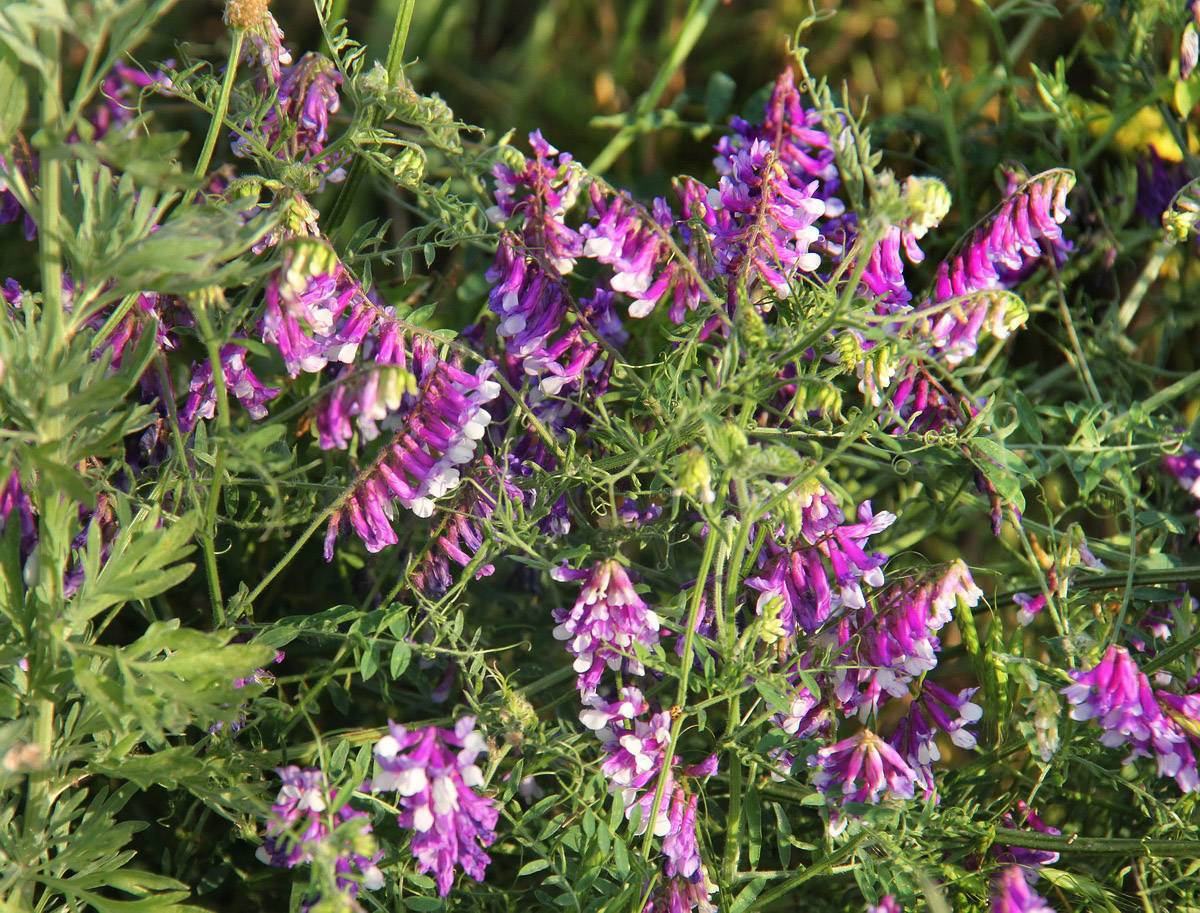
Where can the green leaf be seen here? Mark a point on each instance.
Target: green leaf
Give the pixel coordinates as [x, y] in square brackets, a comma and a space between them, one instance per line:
[535, 865]
[14, 97]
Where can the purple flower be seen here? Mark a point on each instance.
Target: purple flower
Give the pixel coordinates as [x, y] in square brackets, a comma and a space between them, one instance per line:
[636, 751]
[935, 710]
[10, 208]
[862, 768]
[421, 462]
[683, 895]
[764, 224]
[1030, 859]
[796, 575]
[998, 255]
[608, 618]
[887, 904]
[305, 301]
[1011, 894]
[297, 125]
[680, 845]
[265, 48]
[1118, 696]
[600, 713]
[461, 531]
[535, 198]
[1158, 180]
[434, 773]
[121, 89]
[638, 249]
[240, 381]
[1185, 466]
[301, 821]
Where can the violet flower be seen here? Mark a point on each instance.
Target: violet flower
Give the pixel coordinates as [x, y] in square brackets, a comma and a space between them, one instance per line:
[421, 462]
[10, 208]
[536, 198]
[296, 127]
[1011, 894]
[1118, 696]
[769, 226]
[1158, 180]
[644, 264]
[682, 895]
[797, 573]
[300, 823]
[1185, 467]
[120, 90]
[433, 771]
[887, 904]
[862, 768]
[240, 382]
[608, 618]
[1030, 859]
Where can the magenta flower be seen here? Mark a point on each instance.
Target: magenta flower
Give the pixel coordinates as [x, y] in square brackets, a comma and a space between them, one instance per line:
[240, 382]
[683, 895]
[862, 768]
[300, 821]
[886, 645]
[887, 904]
[608, 618]
[296, 127]
[1118, 696]
[1185, 466]
[1011, 894]
[434, 773]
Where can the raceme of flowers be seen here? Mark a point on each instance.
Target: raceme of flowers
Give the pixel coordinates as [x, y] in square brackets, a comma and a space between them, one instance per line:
[434, 775]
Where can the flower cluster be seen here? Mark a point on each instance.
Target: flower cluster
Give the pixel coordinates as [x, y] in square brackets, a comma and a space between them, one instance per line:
[606, 621]
[303, 95]
[862, 768]
[303, 827]
[240, 381]
[433, 771]
[804, 560]
[998, 255]
[1158, 724]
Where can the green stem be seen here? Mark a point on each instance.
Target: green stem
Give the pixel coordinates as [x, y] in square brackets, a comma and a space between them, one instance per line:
[685, 671]
[696, 20]
[825, 865]
[395, 56]
[49, 231]
[729, 864]
[1173, 849]
[209, 534]
[1133, 301]
[218, 115]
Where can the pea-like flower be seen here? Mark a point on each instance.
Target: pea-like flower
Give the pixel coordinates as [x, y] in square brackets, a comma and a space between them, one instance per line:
[434, 772]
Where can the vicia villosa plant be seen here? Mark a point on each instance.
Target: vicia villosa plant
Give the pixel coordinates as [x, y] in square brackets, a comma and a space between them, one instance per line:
[452, 524]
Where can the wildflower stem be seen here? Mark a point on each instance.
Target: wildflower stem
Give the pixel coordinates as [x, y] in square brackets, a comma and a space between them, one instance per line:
[695, 21]
[208, 536]
[49, 237]
[1034, 840]
[685, 669]
[394, 65]
[218, 115]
